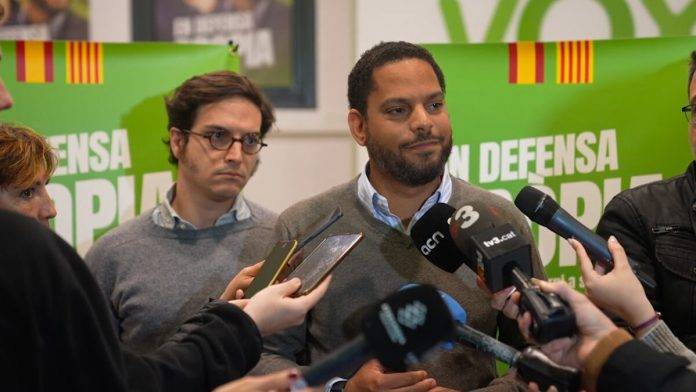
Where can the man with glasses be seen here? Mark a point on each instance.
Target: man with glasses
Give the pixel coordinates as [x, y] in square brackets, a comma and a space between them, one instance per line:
[656, 223]
[161, 267]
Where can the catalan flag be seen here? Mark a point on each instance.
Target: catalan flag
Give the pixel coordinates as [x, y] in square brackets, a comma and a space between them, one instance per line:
[84, 62]
[34, 61]
[574, 62]
[526, 63]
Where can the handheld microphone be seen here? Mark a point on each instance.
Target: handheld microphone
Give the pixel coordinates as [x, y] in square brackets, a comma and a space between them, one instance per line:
[397, 331]
[542, 209]
[431, 235]
[531, 363]
[500, 257]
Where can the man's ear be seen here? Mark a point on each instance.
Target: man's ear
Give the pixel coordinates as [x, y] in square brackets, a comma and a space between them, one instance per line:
[358, 125]
[177, 141]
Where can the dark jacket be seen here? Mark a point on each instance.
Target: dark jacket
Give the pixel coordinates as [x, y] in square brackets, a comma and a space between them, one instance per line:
[656, 223]
[56, 332]
[634, 366]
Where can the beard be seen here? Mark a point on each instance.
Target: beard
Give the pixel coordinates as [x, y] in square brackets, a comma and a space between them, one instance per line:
[395, 164]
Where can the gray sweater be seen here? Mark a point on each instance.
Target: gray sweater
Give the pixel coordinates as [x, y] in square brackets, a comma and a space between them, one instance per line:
[661, 338]
[155, 278]
[383, 262]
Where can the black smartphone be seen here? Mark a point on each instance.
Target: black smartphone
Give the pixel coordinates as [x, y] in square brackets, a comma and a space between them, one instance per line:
[323, 259]
[272, 267]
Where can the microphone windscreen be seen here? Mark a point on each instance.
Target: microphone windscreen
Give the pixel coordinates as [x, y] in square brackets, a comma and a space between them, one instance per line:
[456, 310]
[401, 328]
[536, 205]
[471, 219]
[432, 238]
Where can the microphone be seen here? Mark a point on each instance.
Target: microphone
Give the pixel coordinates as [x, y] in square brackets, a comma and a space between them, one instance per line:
[542, 209]
[531, 363]
[491, 246]
[431, 235]
[499, 255]
[397, 331]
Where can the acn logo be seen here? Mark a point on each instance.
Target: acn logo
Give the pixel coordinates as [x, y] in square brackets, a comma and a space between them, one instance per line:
[431, 243]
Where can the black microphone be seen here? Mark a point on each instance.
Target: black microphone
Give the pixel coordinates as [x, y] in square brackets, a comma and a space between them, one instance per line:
[531, 363]
[542, 209]
[503, 258]
[491, 246]
[431, 235]
[397, 331]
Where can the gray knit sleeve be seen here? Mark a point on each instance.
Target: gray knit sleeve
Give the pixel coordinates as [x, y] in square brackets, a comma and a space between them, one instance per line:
[661, 338]
[101, 265]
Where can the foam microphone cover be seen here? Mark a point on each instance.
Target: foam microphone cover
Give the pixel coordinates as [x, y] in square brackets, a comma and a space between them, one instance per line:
[409, 322]
[471, 219]
[432, 238]
[536, 205]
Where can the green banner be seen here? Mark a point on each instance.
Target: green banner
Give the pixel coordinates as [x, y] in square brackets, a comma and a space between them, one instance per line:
[582, 120]
[101, 106]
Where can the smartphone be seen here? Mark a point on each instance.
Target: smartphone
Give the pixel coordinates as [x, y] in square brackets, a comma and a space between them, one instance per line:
[272, 267]
[323, 259]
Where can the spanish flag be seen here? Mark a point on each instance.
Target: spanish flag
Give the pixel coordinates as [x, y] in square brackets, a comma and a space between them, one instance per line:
[34, 60]
[526, 63]
[574, 62]
[84, 62]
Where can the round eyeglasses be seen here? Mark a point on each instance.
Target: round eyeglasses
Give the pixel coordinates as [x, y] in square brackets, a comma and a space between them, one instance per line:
[223, 140]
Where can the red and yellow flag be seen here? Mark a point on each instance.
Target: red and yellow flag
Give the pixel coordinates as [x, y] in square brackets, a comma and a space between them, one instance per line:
[574, 62]
[34, 60]
[84, 62]
[526, 63]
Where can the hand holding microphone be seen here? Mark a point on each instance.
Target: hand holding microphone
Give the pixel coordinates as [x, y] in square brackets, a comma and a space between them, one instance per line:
[532, 365]
[617, 291]
[476, 235]
[592, 325]
[542, 209]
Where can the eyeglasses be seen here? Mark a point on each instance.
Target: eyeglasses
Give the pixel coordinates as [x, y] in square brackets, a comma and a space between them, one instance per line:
[223, 140]
[688, 111]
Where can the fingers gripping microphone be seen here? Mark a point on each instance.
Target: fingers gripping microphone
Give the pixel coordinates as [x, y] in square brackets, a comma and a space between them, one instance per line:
[531, 363]
[542, 209]
[397, 331]
[503, 258]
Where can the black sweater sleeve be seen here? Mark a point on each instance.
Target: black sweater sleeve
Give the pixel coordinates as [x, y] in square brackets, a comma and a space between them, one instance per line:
[634, 366]
[219, 344]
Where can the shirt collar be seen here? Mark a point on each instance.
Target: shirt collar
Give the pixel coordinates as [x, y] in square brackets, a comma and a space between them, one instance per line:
[165, 215]
[378, 205]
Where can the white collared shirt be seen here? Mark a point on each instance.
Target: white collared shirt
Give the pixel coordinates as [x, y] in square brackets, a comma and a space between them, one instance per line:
[379, 206]
[165, 216]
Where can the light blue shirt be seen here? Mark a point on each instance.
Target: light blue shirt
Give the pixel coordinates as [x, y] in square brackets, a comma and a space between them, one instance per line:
[165, 216]
[379, 206]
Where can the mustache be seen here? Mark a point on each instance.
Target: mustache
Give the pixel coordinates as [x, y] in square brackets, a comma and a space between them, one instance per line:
[423, 137]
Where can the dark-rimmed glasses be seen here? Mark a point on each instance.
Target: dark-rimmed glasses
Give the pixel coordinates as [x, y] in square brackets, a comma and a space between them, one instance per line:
[223, 140]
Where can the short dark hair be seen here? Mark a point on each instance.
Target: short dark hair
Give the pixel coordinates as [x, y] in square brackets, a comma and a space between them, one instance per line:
[692, 69]
[183, 104]
[360, 81]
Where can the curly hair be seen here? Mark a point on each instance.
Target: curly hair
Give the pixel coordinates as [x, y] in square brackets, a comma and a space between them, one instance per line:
[24, 155]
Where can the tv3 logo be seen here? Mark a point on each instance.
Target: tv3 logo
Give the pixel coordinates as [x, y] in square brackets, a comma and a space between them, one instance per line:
[466, 215]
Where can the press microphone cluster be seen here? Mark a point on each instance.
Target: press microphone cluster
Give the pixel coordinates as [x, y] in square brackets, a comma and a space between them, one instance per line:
[397, 331]
[477, 236]
[532, 365]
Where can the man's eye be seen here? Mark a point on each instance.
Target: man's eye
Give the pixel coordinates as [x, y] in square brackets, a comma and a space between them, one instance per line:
[396, 111]
[27, 193]
[435, 106]
[250, 140]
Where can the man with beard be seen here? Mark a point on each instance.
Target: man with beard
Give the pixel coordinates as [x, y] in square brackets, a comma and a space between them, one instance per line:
[397, 110]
